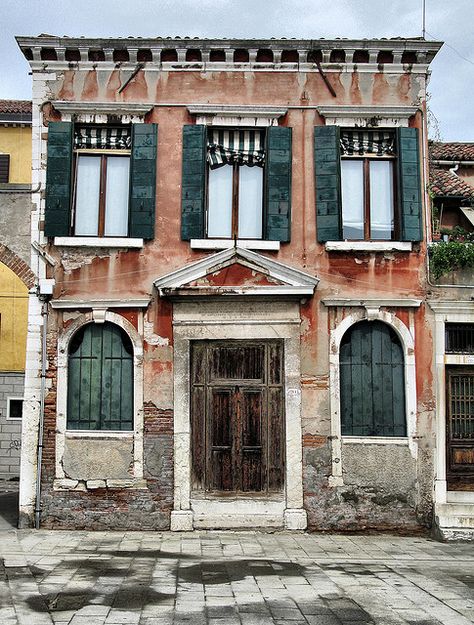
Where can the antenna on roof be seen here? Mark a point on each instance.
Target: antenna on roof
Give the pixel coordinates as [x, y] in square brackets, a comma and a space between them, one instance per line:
[423, 19]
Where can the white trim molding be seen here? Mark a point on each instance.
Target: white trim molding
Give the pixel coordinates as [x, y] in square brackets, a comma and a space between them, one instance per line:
[367, 302]
[367, 116]
[225, 244]
[407, 340]
[368, 246]
[136, 435]
[87, 112]
[96, 304]
[235, 115]
[97, 242]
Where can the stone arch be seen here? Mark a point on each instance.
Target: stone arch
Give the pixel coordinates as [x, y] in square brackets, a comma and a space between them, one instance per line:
[17, 265]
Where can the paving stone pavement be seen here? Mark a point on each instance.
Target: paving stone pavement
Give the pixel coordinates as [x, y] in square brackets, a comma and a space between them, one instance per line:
[232, 578]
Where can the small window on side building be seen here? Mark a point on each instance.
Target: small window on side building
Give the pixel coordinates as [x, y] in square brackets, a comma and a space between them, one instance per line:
[14, 408]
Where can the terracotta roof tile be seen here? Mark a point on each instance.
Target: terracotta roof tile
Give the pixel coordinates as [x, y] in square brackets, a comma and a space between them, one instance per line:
[446, 184]
[15, 106]
[453, 151]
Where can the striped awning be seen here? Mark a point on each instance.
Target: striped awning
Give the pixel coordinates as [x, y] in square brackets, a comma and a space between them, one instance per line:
[362, 142]
[246, 147]
[102, 137]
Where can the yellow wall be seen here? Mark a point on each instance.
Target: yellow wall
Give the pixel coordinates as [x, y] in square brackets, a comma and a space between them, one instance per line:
[13, 320]
[16, 142]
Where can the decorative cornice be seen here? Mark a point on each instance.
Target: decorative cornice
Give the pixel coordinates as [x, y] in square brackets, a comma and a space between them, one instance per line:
[453, 307]
[387, 302]
[231, 110]
[99, 304]
[101, 108]
[342, 111]
[173, 52]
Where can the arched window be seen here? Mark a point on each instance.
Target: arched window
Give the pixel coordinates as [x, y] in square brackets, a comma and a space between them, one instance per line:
[100, 379]
[372, 377]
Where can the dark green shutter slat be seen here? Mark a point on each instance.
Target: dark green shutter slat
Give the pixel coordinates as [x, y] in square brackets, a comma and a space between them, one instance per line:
[143, 180]
[327, 167]
[193, 182]
[58, 179]
[409, 184]
[278, 184]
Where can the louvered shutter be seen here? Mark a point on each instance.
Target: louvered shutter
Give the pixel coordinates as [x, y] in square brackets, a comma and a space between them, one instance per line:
[193, 182]
[409, 185]
[4, 168]
[327, 164]
[278, 184]
[58, 179]
[143, 180]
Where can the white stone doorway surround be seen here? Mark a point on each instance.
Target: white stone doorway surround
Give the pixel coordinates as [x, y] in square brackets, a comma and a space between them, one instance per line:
[237, 319]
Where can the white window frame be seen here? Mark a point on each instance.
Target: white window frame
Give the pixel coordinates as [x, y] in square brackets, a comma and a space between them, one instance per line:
[16, 419]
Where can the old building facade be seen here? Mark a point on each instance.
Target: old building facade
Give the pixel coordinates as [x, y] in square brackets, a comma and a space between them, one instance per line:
[232, 250]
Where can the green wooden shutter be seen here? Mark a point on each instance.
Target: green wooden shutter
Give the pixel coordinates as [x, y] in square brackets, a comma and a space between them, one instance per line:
[193, 182]
[409, 185]
[372, 381]
[143, 180]
[278, 165]
[100, 379]
[327, 167]
[58, 180]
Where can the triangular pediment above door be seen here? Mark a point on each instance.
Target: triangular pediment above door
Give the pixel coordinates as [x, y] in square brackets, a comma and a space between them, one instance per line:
[234, 272]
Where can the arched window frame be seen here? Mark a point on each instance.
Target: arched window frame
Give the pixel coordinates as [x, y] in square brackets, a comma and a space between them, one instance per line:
[406, 336]
[64, 340]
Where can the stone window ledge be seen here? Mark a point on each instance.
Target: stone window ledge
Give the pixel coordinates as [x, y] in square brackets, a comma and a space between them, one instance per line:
[97, 242]
[99, 434]
[224, 244]
[375, 440]
[368, 246]
[87, 485]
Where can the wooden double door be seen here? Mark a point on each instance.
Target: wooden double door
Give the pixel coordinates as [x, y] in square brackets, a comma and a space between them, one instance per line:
[460, 428]
[237, 416]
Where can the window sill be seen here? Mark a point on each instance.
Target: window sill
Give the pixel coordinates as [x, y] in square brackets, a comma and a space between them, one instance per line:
[97, 242]
[376, 440]
[99, 434]
[368, 246]
[224, 244]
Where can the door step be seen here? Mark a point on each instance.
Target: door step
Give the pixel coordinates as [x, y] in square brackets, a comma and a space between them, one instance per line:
[455, 521]
[237, 513]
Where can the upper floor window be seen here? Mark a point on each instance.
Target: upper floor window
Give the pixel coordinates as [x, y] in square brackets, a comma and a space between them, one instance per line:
[368, 185]
[236, 160]
[100, 379]
[102, 180]
[236, 183]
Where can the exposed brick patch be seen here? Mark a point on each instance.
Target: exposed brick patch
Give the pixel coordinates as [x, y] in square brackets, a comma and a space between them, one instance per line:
[313, 440]
[17, 265]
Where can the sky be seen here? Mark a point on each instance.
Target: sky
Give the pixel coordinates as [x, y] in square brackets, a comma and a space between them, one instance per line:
[450, 21]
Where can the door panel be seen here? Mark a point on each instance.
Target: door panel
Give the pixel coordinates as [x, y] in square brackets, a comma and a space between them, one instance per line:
[460, 427]
[237, 418]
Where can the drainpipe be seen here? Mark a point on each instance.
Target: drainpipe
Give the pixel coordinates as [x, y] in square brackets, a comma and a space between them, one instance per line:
[39, 457]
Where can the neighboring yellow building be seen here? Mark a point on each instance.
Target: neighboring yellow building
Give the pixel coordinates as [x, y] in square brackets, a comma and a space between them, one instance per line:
[15, 275]
[13, 320]
[15, 142]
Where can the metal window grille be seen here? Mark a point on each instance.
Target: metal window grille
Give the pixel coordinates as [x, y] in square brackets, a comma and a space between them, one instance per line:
[461, 406]
[459, 338]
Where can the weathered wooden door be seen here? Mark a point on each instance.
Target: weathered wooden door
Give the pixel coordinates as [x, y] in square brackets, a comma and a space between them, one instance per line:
[460, 428]
[237, 416]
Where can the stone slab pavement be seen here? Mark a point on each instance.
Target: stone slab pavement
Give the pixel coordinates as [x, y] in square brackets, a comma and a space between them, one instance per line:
[232, 578]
